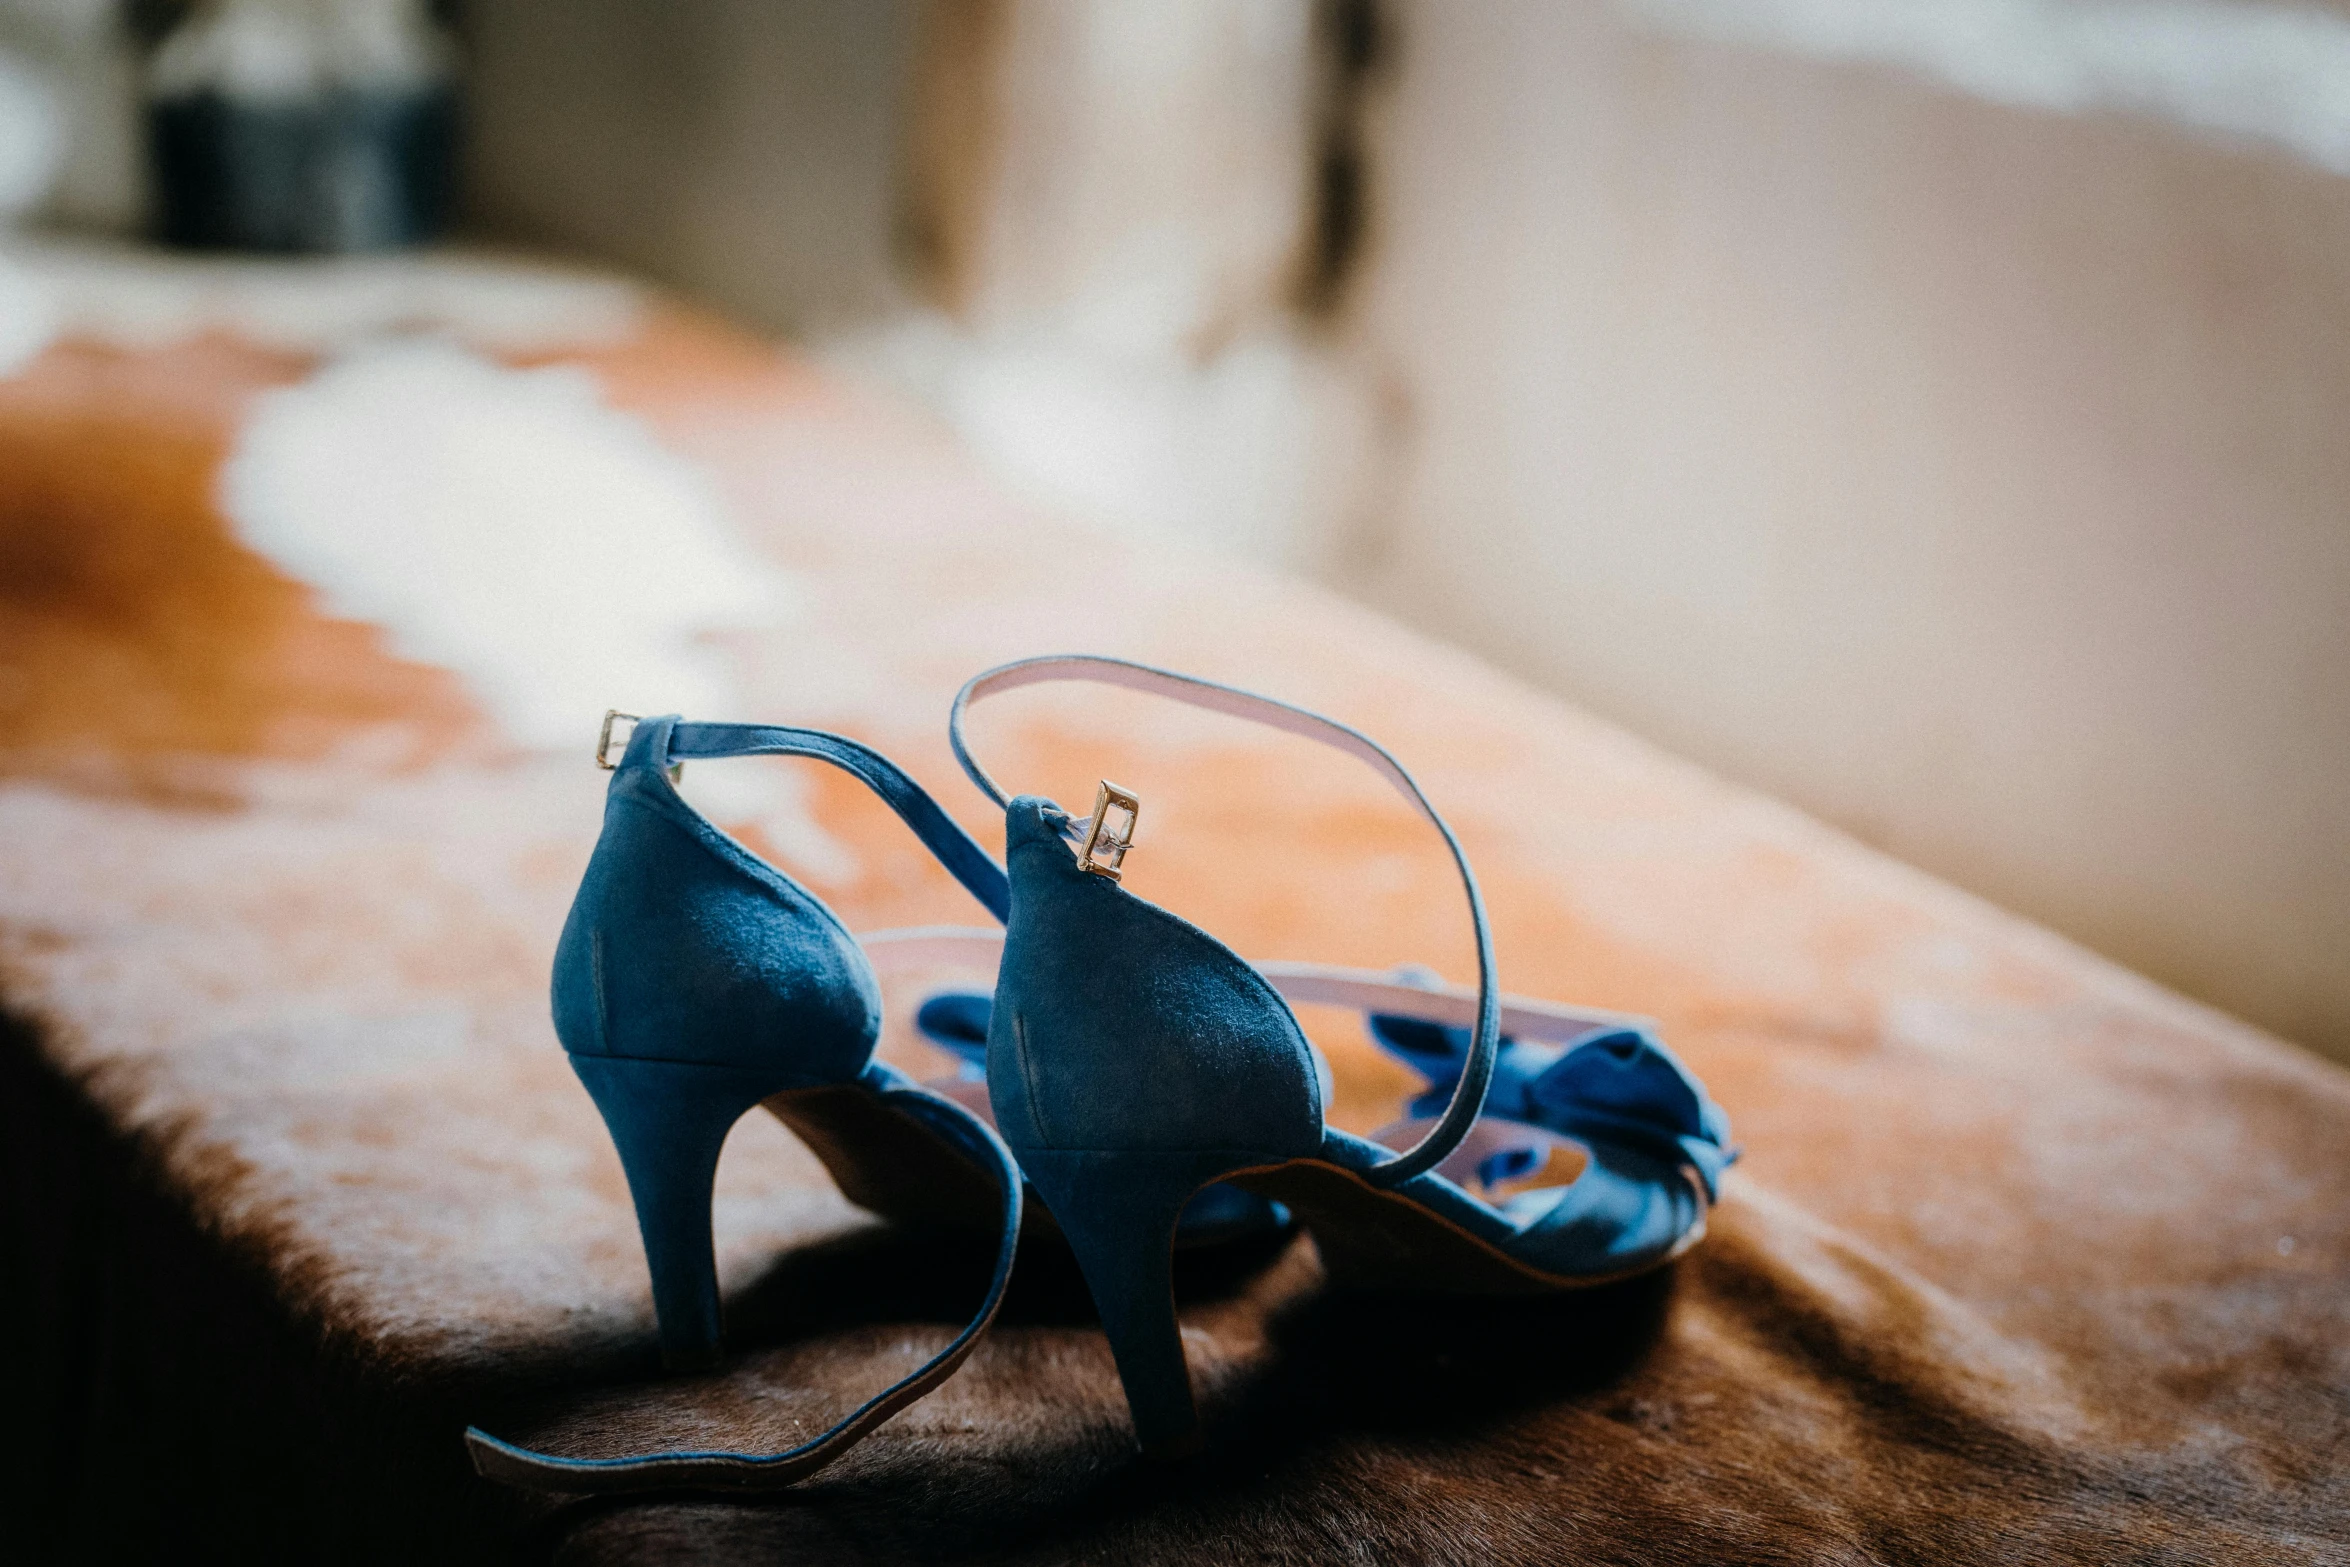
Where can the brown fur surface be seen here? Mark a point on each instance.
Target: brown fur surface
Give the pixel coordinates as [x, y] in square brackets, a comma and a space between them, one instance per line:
[2028, 1260]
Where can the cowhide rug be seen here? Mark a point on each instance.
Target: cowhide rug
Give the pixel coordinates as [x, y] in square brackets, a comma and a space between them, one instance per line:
[2027, 1260]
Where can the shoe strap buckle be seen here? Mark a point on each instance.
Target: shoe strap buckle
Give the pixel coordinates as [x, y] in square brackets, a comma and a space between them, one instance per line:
[613, 715]
[1111, 832]
[605, 737]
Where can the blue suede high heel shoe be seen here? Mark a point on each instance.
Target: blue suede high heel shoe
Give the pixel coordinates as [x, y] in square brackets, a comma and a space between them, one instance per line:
[694, 981]
[1132, 1059]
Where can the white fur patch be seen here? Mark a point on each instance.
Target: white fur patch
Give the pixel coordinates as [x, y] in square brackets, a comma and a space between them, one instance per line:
[505, 524]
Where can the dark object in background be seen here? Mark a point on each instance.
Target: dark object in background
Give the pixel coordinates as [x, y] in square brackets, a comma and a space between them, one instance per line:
[302, 125]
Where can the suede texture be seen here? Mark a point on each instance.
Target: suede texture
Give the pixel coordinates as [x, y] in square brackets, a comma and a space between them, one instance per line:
[682, 947]
[2026, 1258]
[1118, 1026]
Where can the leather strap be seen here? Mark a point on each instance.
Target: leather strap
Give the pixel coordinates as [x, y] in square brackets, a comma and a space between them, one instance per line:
[1468, 1099]
[717, 1469]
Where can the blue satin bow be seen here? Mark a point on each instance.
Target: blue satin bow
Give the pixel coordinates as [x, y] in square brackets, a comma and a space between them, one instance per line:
[1621, 1086]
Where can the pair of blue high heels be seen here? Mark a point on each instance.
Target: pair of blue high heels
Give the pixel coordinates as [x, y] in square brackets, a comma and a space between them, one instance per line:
[1147, 1084]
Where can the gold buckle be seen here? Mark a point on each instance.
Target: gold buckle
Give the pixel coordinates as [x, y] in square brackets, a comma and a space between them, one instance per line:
[613, 715]
[1105, 846]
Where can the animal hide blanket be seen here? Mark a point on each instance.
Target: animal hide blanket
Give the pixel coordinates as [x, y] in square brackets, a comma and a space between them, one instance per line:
[2027, 1260]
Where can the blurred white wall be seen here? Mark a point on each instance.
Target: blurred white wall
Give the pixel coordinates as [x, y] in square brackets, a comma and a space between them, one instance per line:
[1112, 211]
[1974, 475]
[1133, 173]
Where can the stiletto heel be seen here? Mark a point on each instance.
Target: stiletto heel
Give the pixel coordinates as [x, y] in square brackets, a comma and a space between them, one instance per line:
[1119, 1212]
[668, 1120]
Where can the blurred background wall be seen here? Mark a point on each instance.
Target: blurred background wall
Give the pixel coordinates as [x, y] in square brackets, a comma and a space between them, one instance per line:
[1936, 412]
[1975, 474]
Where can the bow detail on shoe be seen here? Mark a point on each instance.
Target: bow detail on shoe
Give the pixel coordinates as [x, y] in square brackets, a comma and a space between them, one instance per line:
[1619, 1086]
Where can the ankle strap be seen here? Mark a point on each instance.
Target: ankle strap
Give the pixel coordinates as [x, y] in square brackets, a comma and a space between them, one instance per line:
[1468, 1097]
[964, 859]
[722, 1470]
